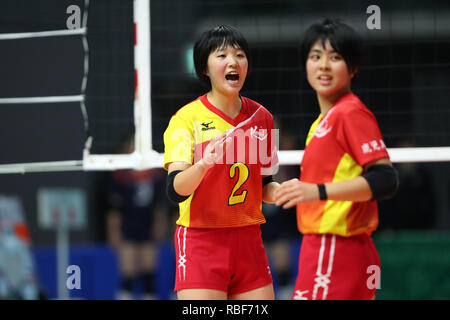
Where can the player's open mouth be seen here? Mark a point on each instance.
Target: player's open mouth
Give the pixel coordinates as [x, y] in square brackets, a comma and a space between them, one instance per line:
[325, 80]
[324, 77]
[232, 77]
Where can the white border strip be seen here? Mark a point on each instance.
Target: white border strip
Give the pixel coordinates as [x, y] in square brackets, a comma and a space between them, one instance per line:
[41, 34]
[397, 155]
[290, 157]
[135, 160]
[71, 165]
[154, 159]
[54, 99]
[431, 154]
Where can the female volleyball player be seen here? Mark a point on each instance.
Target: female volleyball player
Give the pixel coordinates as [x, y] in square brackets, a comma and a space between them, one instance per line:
[219, 184]
[345, 169]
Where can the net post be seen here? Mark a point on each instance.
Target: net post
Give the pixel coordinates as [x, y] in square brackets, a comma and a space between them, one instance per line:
[142, 101]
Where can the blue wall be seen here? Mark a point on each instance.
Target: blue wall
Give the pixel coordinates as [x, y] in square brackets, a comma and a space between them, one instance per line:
[99, 271]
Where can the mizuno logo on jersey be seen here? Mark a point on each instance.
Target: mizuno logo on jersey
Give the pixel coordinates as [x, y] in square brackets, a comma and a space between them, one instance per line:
[205, 126]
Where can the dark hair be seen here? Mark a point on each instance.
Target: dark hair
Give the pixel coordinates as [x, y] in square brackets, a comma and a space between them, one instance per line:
[343, 39]
[222, 35]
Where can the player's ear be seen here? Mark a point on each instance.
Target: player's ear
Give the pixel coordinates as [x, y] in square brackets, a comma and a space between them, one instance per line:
[353, 72]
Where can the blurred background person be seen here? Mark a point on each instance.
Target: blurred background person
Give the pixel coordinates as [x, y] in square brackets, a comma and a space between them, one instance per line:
[18, 279]
[280, 231]
[135, 224]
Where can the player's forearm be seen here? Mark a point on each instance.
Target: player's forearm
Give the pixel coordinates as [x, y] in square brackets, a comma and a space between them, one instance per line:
[187, 181]
[269, 192]
[356, 189]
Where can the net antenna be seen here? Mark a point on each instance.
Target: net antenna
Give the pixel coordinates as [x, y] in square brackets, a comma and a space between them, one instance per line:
[144, 156]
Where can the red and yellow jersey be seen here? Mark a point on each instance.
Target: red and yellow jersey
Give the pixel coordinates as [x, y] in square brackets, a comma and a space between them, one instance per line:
[338, 145]
[230, 194]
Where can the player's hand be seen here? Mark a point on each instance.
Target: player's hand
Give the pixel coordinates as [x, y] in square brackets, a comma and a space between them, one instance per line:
[215, 150]
[269, 192]
[294, 191]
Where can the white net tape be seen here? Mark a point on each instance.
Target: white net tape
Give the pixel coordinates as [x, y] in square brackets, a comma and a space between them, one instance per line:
[40, 34]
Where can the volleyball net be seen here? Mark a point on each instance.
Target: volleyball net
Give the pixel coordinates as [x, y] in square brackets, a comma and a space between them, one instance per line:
[113, 94]
[136, 70]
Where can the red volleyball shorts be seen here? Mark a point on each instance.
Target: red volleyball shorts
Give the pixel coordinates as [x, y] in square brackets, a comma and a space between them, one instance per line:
[332, 267]
[232, 260]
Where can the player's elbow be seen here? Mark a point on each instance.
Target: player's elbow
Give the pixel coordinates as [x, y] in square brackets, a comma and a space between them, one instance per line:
[383, 181]
[172, 194]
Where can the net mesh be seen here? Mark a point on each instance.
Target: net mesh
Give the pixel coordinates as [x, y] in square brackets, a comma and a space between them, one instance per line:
[110, 89]
[404, 78]
[32, 67]
[53, 66]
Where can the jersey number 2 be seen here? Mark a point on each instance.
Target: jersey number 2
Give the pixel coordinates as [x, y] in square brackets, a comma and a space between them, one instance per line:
[243, 173]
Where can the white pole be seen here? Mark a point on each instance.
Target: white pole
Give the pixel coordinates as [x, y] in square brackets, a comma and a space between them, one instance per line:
[142, 102]
[62, 257]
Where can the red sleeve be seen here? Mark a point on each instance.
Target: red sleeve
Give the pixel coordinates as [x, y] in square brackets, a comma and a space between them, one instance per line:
[359, 134]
